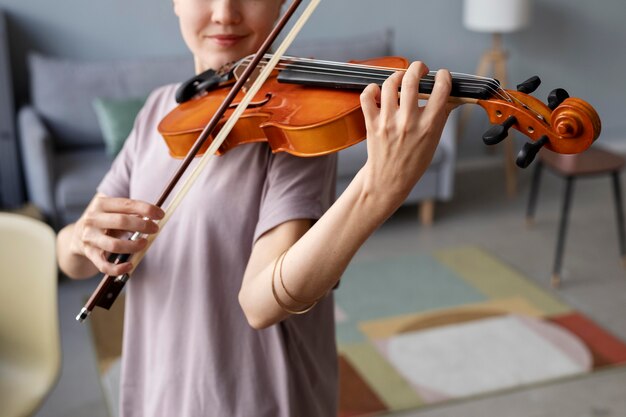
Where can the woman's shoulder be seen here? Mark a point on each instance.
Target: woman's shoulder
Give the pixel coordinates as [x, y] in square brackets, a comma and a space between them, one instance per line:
[158, 103]
[162, 99]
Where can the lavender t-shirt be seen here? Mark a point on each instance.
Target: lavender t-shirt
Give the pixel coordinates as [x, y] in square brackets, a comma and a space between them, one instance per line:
[188, 350]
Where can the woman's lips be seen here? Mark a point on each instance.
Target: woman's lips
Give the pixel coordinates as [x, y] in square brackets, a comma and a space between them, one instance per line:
[226, 40]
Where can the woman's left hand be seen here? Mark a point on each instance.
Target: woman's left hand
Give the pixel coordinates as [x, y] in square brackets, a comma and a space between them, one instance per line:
[402, 137]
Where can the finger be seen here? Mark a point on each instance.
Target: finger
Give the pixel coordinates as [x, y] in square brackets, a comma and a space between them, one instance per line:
[369, 103]
[99, 259]
[409, 95]
[389, 94]
[123, 222]
[113, 245]
[439, 97]
[128, 206]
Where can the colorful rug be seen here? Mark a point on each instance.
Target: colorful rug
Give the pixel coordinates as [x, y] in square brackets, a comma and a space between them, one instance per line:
[423, 329]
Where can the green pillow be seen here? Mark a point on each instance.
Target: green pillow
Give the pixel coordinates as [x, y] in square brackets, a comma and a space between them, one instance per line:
[116, 118]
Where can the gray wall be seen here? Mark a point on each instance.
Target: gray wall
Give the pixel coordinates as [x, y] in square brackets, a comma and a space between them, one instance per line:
[574, 44]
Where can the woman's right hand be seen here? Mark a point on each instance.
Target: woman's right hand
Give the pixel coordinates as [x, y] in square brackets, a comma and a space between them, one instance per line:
[105, 226]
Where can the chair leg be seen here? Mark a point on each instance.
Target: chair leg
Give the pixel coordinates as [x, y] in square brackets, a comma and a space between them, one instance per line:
[510, 168]
[560, 245]
[427, 212]
[534, 191]
[619, 211]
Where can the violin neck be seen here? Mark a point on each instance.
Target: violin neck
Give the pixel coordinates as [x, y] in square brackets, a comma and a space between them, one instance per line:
[357, 77]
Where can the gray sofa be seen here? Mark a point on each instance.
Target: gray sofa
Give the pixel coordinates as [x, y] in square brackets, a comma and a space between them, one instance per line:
[61, 141]
[63, 151]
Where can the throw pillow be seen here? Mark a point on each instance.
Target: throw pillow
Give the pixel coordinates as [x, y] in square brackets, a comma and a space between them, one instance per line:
[116, 118]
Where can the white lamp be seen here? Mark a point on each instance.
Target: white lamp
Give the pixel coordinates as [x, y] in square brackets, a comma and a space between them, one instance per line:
[497, 17]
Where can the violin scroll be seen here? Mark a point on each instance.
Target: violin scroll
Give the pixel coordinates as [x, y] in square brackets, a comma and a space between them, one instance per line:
[565, 125]
[576, 125]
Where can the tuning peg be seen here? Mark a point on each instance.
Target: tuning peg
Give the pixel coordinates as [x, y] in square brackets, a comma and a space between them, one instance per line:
[530, 85]
[556, 97]
[527, 155]
[498, 133]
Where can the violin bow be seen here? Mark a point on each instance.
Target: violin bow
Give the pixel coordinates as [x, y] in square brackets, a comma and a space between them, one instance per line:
[110, 287]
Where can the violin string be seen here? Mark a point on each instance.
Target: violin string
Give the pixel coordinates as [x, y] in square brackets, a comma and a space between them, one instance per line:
[428, 80]
[473, 81]
[523, 105]
[380, 75]
[378, 69]
[349, 71]
[325, 62]
[350, 68]
[364, 66]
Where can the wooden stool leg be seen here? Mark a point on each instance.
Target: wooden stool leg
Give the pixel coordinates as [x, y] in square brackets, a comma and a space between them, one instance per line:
[619, 211]
[534, 191]
[427, 212]
[560, 245]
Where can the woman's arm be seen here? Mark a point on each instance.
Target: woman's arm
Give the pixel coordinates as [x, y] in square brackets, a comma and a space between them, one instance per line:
[402, 139]
[83, 247]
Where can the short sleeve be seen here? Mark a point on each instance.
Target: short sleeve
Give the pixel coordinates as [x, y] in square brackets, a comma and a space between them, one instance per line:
[296, 188]
[116, 183]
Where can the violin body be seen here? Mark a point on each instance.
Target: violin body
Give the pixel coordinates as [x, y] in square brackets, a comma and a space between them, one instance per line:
[300, 120]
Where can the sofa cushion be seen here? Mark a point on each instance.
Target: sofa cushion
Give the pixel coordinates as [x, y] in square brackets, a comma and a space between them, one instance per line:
[368, 45]
[63, 90]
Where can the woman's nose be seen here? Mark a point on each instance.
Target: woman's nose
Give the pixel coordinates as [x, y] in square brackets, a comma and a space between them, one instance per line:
[226, 12]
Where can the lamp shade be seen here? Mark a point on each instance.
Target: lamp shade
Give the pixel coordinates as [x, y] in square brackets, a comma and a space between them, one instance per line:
[496, 16]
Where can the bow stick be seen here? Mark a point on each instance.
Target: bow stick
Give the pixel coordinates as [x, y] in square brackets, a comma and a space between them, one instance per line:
[110, 287]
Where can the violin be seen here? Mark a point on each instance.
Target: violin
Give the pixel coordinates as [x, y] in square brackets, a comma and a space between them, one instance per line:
[310, 108]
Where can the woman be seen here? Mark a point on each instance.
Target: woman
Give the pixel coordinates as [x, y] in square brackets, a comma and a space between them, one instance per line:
[213, 323]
